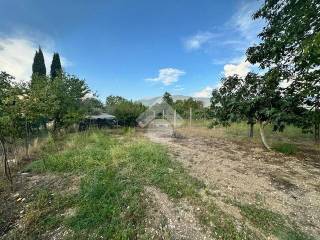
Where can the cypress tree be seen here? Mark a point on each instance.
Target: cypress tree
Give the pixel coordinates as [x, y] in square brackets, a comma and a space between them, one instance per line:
[55, 66]
[35, 63]
[38, 66]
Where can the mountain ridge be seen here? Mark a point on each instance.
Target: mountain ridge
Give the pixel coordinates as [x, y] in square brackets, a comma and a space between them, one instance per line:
[153, 100]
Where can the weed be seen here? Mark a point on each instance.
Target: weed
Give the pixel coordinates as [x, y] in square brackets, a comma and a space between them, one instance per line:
[43, 214]
[108, 205]
[223, 226]
[286, 148]
[160, 170]
[111, 204]
[110, 201]
[272, 223]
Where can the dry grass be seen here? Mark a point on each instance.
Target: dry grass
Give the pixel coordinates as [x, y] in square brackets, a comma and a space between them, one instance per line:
[291, 141]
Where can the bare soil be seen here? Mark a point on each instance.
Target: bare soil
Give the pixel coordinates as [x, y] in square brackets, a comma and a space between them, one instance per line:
[246, 173]
[172, 220]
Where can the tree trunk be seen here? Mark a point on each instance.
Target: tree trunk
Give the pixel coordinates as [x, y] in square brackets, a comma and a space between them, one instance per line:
[27, 140]
[317, 133]
[263, 138]
[317, 122]
[250, 133]
[7, 171]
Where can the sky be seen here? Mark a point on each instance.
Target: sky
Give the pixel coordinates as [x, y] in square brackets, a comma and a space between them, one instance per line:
[135, 49]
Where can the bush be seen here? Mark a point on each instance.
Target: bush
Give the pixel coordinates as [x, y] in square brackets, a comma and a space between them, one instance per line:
[127, 112]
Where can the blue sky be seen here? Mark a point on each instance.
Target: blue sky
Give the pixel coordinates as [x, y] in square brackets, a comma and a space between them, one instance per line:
[136, 49]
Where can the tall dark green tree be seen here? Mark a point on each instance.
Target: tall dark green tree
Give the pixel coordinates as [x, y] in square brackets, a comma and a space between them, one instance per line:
[56, 67]
[38, 66]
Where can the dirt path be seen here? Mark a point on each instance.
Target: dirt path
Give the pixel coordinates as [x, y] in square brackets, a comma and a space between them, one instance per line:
[248, 174]
[170, 220]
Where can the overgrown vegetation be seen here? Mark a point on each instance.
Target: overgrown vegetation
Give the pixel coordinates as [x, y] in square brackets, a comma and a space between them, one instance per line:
[110, 201]
[126, 111]
[28, 107]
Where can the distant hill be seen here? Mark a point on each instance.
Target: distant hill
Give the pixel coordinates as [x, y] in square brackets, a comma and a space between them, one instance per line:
[150, 101]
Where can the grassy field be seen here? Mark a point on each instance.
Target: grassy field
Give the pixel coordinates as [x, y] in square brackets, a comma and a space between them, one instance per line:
[91, 185]
[291, 141]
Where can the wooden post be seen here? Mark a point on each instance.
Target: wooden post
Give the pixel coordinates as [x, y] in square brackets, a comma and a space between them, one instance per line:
[162, 113]
[27, 139]
[190, 117]
[174, 119]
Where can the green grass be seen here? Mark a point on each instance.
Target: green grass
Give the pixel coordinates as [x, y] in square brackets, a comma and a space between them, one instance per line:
[290, 141]
[223, 226]
[286, 148]
[290, 133]
[110, 203]
[272, 223]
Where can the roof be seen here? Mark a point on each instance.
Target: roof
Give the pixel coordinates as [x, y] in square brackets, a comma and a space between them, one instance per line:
[102, 116]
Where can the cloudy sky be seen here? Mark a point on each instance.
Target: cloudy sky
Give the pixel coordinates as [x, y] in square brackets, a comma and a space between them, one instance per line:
[136, 49]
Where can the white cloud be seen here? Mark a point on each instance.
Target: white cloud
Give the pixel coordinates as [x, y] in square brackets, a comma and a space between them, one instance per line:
[233, 37]
[198, 40]
[241, 68]
[167, 76]
[206, 92]
[90, 95]
[16, 57]
[242, 21]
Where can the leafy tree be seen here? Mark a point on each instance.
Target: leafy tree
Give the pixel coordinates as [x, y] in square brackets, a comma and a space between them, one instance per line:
[167, 98]
[225, 101]
[56, 67]
[112, 101]
[127, 112]
[183, 108]
[67, 94]
[10, 115]
[290, 42]
[38, 66]
[254, 98]
[92, 106]
[37, 101]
